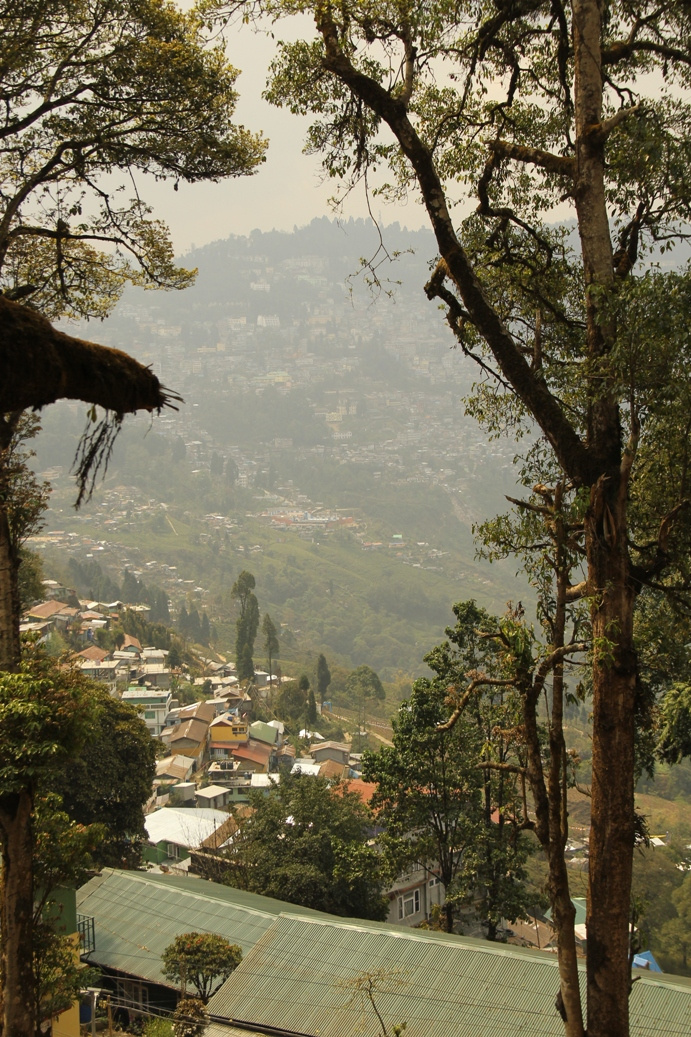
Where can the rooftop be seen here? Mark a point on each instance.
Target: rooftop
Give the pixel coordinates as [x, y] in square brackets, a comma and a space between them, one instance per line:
[183, 826]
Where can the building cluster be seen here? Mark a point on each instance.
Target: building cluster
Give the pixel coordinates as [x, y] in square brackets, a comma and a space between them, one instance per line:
[218, 757]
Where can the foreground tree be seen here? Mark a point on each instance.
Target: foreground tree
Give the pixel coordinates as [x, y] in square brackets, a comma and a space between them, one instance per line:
[531, 106]
[110, 779]
[306, 842]
[62, 857]
[202, 960]
[93, 96]
[44, 717]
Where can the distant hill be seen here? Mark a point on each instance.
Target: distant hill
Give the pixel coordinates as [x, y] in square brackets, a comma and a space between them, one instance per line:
[309, 392]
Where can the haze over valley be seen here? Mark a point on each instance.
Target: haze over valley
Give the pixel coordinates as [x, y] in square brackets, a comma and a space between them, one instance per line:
[323, 444]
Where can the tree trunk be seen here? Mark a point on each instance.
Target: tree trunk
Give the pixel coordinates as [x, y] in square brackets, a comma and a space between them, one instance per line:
[549, 828]
[563, 910]
[9, 563]
[9, 597]
[16, 918]
[609, 582]
[448, 914]
[612, 813]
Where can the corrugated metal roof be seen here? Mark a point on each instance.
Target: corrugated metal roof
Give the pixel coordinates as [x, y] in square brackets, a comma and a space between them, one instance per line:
[301, 976]
[221, 1030]
[137, 915]
[300, 966]
[185, 826]
[263, 732]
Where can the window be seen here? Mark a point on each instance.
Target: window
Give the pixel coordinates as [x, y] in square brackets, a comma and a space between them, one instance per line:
[409, 904]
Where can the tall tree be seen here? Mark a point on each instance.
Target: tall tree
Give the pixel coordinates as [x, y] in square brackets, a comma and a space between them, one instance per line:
[363, 683]
[311, 709]
[530, 106]
[448, 793]
[493, 725]
[246, 625]
[323, 676]
[271, 645]
[428, 788]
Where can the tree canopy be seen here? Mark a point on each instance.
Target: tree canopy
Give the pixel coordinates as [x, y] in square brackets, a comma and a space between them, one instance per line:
[96, 94]
[202, 960]
[306, 842]
[110, 779]
[364, 682]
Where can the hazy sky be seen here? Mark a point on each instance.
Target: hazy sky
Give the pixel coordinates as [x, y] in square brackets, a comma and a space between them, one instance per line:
[286, 191]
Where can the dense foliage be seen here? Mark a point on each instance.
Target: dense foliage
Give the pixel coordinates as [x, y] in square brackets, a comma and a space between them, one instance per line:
[447, 794]
[109, 779]
[306, 842]
[95, 93]
[201, 960]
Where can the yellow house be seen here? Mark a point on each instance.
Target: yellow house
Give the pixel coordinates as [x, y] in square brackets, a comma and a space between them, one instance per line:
[229, 730]
[64, 907]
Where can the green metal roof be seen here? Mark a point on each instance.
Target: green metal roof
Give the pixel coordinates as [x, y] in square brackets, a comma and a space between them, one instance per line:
[137, 915]
[263, 732]
[581, 906]
[300, 966]
[300, 977]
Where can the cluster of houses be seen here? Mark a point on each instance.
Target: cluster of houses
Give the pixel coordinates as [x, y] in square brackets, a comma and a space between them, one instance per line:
[129, 663]
[215, 754]
[302, 971]
[235, 757]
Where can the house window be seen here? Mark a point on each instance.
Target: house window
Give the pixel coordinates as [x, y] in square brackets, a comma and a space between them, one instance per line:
[409, 904]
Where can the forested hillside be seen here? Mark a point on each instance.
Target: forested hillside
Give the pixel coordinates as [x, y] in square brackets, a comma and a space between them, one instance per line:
[323, 444]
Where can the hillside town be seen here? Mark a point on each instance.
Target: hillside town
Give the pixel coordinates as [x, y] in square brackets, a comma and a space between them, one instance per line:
[345, 579]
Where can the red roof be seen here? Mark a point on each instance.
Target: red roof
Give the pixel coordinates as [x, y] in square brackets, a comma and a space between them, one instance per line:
[364, 789]
[254, 752]
[94, 653]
